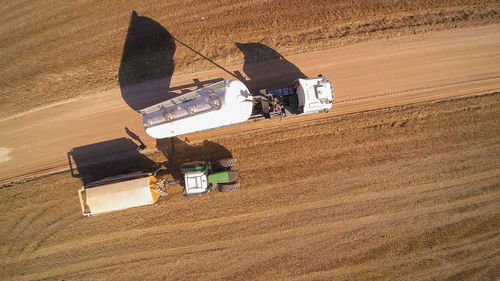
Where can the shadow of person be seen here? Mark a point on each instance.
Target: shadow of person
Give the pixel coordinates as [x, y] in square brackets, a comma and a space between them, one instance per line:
[266, 68]
[178, 151]
[135, 137]
[109, 158]
[147, 63]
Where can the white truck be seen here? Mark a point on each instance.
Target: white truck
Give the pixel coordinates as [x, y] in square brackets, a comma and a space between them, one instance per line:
[230, 102]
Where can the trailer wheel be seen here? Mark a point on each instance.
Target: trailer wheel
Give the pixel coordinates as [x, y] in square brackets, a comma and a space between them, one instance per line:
[229, 187]
[227, 162]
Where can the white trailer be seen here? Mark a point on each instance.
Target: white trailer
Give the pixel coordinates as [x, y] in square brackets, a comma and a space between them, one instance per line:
[119, 193]
[229, 102]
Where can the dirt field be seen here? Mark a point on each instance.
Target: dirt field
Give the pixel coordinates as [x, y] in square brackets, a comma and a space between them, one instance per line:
[400, 181]
[408, 193]
[54, 50]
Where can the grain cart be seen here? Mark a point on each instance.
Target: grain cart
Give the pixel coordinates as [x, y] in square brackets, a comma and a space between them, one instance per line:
[229, 102]
[120, 192]
[141, 189]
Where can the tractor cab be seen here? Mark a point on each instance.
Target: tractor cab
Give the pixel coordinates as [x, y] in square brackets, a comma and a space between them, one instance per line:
[195, 183]
[195, 177]
[201, 177]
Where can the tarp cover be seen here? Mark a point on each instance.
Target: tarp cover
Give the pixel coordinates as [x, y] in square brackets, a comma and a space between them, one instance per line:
[119, 196]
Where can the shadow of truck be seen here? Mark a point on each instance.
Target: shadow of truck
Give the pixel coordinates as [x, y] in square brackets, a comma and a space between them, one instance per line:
[147, 63]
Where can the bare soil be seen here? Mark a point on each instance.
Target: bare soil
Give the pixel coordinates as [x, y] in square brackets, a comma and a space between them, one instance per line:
[408, 192]
[51, 51]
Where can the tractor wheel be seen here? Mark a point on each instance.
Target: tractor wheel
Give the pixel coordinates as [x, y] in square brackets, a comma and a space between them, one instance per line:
[227, 162]
[232, 187]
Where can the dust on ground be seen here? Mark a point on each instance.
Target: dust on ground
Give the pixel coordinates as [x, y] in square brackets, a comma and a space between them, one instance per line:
[4, 154]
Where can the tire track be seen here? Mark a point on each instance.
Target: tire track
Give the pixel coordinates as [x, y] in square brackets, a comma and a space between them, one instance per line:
[27, 219]
[48, 232]
[490, 76]
[111, 261]
[270, 215]
[481, 243]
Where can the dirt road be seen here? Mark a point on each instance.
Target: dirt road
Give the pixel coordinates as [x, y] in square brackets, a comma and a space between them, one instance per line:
[406, 193]
[366, 76]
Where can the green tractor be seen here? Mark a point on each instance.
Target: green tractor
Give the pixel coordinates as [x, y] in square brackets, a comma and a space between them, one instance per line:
[202, 177]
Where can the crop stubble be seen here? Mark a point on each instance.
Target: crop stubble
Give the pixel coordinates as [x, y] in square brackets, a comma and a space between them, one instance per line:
[409, 192]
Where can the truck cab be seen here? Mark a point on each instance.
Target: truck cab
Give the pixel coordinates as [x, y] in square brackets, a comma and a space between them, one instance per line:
[314, 95]
[303, 96]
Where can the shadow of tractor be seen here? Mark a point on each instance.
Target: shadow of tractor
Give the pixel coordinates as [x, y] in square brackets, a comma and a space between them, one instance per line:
[178, 152]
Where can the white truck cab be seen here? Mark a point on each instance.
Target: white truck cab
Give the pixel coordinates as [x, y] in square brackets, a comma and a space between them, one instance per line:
[314, 94]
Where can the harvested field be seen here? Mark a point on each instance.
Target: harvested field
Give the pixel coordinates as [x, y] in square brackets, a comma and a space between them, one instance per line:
[409, 193]
[51, 51]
